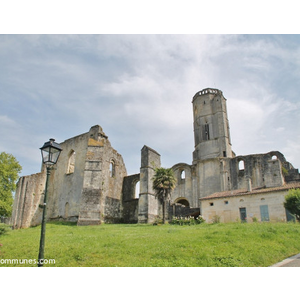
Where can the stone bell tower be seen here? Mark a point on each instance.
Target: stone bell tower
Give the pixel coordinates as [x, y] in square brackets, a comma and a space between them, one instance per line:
[211, 126]
[212, 142]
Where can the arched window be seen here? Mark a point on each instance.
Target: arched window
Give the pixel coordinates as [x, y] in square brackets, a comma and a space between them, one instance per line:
[71, 162]
[137, 190]
[206, 132]
[112, 168]
[241, 165]
[182, 175]
[274, 157]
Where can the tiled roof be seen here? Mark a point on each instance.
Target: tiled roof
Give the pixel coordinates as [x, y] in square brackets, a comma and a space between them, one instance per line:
[260, 190]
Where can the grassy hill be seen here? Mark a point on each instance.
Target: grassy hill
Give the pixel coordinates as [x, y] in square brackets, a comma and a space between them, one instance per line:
[110, 245]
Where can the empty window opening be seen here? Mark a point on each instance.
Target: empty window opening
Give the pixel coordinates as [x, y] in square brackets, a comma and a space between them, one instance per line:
[274, 157]
[182, 175]
[224, 153]
[112, 169]
[211, 204]
[137, 190]
[206, 132]
[241, 165]
[226, 202]
[71, 162]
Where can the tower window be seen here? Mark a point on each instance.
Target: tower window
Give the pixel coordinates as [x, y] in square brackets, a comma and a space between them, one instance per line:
[206, 132]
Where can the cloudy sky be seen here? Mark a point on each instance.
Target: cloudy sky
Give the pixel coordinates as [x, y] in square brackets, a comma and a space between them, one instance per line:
[139, 88]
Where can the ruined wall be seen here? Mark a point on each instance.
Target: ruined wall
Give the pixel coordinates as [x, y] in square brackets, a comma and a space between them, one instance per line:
[130, 200]
[65, 186]
[186, 184]
[104, 171]
[85, 185]
[29, 195]
[264, 170]
[148, 209]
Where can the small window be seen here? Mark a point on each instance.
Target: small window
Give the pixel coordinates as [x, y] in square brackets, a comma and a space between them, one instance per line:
[71, 162]
[274, 157]
[182, 175]
[211, 204]
[206, 131]
[137, 190]
[226, 202]
[112, 169]
[241, 165]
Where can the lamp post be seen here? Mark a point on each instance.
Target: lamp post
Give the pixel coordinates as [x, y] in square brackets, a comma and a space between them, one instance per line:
[50, 154]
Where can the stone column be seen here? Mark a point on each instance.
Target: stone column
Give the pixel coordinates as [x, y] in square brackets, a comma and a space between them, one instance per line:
[148, 204]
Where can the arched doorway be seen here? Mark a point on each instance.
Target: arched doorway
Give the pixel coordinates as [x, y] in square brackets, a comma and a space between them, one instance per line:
[183, 202]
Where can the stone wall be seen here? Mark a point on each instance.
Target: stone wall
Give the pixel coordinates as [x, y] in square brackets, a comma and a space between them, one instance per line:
[148, 209]
[29, 195]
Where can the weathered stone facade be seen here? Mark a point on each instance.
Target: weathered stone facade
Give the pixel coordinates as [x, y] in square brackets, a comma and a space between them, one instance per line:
[89, 184]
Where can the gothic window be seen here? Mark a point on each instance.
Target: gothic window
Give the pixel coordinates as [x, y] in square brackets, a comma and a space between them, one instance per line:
[137, 190]
[71, 162]
[182, 175]
[206, 132]
[241, 165]
[112, 168]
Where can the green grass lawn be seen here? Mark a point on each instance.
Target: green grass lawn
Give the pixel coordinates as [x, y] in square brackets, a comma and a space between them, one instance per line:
[121, 245]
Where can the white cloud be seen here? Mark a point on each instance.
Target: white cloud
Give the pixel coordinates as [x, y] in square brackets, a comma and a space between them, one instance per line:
[139, 88]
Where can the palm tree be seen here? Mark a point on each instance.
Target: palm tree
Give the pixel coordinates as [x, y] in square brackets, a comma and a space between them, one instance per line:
[163, 183]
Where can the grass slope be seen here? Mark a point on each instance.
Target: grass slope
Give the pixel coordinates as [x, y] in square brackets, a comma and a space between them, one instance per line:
[110, 245]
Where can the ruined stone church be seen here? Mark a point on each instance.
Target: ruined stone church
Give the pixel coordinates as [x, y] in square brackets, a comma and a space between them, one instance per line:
[89, 184]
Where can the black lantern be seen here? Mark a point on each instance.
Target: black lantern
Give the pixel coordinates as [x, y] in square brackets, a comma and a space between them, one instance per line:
[50, 152]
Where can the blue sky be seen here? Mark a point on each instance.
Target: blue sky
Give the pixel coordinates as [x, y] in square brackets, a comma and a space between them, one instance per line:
[139, 88]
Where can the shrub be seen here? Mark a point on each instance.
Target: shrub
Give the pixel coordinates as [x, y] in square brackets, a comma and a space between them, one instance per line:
[292, 202]
[186, 221]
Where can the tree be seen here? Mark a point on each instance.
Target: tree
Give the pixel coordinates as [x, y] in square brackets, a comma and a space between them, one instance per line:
[292, 202]
[163, 183]
[9, 173]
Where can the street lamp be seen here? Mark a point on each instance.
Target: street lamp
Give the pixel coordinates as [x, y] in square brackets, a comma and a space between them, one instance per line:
[50, 154]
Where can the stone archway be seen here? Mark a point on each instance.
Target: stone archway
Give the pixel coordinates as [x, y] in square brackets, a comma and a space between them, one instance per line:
[182, 201]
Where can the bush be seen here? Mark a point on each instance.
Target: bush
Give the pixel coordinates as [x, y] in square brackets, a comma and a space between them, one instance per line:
[186, 221]
[292, 202]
